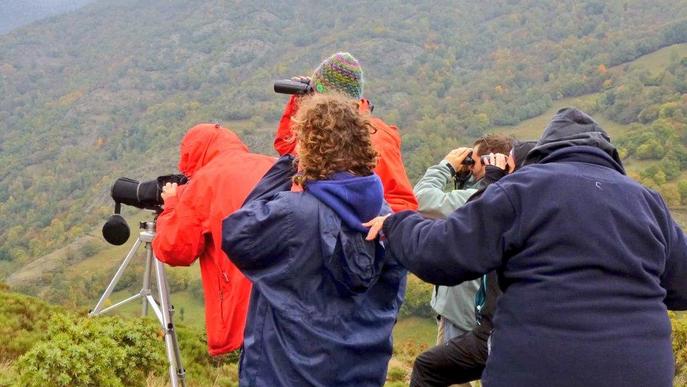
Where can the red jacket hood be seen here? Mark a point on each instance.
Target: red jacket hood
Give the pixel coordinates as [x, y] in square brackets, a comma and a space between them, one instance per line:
[204, 142]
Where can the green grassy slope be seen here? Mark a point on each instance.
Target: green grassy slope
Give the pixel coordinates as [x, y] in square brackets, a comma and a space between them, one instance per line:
[658, 60]
[655, 63]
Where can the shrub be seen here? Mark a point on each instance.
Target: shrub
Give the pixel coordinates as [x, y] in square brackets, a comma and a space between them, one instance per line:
[418, 296]
[680, 347]
[23, 322]
[104, 351]
[670, 194]
[89, 248]
[396, 374]
[682, 189]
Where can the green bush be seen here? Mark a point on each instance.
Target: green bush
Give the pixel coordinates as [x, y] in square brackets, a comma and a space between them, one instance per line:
[104, 351]
[23, 322]
[60, 348]
[199, 365]
[418, 296]
[396, 374]
[680, 348]
[682, 189]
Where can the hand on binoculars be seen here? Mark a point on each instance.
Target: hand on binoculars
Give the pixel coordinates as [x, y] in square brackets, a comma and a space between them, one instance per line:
[456, 157]
[496, 159]
[301, 79]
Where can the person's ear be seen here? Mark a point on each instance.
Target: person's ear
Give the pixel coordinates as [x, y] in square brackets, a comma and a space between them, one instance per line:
[510, 161]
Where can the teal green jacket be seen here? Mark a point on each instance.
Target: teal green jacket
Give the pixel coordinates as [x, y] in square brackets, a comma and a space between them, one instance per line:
[455, 303]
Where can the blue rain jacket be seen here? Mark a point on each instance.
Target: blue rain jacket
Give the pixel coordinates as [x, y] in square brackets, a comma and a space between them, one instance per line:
[324, 300]
[589, 261]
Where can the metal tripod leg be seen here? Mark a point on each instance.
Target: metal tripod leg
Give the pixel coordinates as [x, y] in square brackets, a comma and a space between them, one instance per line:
[98, 309]
[177, 374]
[164, 311]
[145, 290]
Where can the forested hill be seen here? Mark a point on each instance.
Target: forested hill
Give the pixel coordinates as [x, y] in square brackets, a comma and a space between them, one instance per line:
[108, 90]
[16, 13]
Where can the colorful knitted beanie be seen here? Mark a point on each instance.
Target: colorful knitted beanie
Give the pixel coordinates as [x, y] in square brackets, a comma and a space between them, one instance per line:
[340, 72]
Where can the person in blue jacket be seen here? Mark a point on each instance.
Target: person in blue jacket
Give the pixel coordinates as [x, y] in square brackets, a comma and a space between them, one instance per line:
[324, 299]
[589, 262]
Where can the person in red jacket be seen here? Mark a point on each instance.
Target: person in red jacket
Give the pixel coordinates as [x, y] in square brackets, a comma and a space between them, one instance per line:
[342, 73]
[221, 173]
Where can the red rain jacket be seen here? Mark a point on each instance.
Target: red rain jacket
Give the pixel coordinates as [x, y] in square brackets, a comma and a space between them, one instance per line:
[221, 172]
[398, 191]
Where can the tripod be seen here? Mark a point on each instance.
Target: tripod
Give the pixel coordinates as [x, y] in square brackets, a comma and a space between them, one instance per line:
[163, 311]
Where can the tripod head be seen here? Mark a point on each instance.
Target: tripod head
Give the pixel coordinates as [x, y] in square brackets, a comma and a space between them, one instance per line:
[147, 232]
[116, 230]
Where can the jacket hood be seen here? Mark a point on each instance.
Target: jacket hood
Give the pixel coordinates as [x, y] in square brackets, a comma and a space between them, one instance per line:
[584, 154]
[572, 127]
[354, 264]
[356, 199]
[520, 151]
[204, 142]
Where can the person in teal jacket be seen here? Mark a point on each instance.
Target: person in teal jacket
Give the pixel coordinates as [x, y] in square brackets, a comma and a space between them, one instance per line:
[455, 305]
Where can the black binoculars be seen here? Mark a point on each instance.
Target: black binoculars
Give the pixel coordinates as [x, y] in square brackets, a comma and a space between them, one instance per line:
[289, 86]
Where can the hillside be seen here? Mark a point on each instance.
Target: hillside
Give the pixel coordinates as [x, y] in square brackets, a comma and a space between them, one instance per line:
[643, 106]
[109, 89]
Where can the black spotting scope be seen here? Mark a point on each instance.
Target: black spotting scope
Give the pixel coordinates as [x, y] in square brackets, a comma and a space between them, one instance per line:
[146, 195]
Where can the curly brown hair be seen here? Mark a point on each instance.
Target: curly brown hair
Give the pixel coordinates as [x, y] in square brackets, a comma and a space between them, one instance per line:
[332, 136]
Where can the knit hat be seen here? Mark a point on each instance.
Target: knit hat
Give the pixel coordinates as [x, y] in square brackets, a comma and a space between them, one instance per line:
[340, 72]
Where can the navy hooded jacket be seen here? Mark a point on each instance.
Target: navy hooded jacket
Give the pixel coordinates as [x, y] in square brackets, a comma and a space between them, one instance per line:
[324, 300]
[589, 260]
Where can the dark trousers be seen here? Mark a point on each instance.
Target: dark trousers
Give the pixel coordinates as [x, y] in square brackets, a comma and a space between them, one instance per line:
[460, 360]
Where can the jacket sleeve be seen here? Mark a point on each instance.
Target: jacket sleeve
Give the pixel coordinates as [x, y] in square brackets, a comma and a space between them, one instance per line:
[276, 179]
[398, 191]
[284, 141]
[253, 235]
[493, 174]
[467, 244]
[433, 201]
[180, 230]
[674, 278]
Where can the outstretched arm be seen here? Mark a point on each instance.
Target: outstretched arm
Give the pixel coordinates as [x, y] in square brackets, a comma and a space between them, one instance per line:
[284, 141]
[469, 243]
